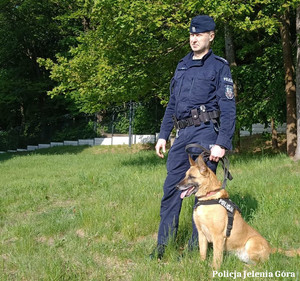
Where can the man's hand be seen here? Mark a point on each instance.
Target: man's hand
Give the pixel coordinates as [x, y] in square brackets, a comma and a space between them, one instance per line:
[161, 144]
[216, 152]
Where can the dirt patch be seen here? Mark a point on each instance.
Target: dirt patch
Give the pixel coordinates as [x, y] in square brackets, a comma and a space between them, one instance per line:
[46, 240]
[117, 149]
[80, 233]
[262, 143]
[117, 269]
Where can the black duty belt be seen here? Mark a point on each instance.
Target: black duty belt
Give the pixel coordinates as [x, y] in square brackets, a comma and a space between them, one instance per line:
[196, 119]
[228, 205]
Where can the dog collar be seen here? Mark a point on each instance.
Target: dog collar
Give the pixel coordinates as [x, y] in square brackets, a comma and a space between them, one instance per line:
[211, 193]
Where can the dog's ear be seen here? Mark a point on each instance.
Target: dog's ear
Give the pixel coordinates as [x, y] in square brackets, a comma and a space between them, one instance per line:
[192, 162]
[201, 164]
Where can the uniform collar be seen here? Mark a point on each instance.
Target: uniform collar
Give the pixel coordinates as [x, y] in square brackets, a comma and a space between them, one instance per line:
[188, 59]
[204, 57]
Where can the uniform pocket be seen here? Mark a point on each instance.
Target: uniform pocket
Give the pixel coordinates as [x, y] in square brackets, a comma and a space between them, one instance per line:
[201, 86]
[178, 81]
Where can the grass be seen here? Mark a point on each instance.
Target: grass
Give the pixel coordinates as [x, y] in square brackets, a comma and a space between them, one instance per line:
[92, 213]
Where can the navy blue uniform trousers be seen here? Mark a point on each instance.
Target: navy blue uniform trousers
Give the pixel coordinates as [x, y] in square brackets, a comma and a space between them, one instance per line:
[177, 165]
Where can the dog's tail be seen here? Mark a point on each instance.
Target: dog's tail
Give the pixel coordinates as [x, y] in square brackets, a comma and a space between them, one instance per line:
[288, 253]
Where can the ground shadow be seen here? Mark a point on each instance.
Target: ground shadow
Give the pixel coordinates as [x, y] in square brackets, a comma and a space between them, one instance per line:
[247, 157]
[45, 151]
[247, 204]
[145, 160]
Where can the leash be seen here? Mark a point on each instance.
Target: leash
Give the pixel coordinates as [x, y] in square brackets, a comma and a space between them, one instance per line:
[205, 155]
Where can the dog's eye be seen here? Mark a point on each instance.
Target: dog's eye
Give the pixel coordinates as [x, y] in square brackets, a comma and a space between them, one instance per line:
[191, 178]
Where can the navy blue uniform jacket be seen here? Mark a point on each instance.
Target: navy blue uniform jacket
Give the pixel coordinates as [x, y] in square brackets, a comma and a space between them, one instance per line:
[202, 82]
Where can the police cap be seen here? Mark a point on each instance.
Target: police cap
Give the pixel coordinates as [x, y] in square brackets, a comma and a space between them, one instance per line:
[202, 23]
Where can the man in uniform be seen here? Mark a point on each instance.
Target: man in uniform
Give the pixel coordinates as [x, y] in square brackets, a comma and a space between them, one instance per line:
[202, 109]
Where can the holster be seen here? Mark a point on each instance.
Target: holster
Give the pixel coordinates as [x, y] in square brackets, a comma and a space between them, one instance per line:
[195, 117]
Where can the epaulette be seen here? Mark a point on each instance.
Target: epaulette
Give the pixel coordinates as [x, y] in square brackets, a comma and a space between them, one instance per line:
[222, 59]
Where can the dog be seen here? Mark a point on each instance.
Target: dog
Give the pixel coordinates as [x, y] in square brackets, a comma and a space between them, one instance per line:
[212, 220]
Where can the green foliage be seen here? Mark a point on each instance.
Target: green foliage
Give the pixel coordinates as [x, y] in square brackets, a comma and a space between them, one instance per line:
[130, 49]
[59, 58]
[117, 59]
[75, 131]
[261, 92]
[146, 118]
[29, 31]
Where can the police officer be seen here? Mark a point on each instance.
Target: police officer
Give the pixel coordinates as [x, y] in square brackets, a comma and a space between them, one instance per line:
[202, 108]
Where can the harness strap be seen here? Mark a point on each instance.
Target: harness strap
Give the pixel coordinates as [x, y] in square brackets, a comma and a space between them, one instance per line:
[228, 205]
[229, 224]
[205, 154]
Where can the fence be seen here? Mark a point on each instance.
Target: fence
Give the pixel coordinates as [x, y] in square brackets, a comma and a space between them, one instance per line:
[115, 140]
[125, 140]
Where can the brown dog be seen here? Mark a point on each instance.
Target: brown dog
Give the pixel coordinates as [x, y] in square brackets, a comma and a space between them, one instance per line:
[211, 220]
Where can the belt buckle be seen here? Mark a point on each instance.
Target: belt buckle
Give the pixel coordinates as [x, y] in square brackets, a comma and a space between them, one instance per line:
[181, 124]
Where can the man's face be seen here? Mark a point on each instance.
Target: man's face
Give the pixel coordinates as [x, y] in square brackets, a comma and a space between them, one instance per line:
[200, 42]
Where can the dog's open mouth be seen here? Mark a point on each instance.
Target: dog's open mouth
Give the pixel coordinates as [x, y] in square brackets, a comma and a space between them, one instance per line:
[188, 192]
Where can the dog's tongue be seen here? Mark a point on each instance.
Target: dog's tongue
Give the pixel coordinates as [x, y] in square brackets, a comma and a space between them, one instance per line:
[183, 193]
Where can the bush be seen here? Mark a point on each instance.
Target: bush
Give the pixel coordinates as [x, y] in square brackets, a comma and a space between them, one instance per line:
[75, 132]
[146, 118]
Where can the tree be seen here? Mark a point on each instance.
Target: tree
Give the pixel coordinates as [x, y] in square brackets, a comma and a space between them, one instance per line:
[29, 29]
[117, 59]
[297, 152]
[251, 29]
[290, 87]
[230, 56]
[103, 53]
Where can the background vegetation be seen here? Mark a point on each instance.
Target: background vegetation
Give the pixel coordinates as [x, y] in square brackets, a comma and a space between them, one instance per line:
[92, 213]
[64, 64]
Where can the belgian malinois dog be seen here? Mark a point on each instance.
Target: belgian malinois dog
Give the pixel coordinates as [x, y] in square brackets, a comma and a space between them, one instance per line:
[211, 220]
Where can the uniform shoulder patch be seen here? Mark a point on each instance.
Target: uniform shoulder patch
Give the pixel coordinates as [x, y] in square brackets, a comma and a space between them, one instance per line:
[222, 59]
[229, 92]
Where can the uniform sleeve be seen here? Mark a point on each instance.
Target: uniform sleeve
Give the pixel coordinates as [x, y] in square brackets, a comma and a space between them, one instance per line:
[167, 123]
[226, 102]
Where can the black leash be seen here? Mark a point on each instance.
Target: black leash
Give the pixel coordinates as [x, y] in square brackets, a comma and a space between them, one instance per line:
[205, 155]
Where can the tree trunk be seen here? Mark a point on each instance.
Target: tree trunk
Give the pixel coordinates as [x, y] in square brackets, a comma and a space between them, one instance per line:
[230, 56]
[290, 88]
[297, 153]
[274, 135]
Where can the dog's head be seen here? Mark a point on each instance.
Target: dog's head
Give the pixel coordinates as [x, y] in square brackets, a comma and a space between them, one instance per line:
[199, 180]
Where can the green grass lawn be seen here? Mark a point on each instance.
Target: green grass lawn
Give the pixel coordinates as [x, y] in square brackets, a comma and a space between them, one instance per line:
[92, 213]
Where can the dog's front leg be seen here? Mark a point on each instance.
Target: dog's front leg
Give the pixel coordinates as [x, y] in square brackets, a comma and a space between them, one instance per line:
[202, 245]
[218, 246]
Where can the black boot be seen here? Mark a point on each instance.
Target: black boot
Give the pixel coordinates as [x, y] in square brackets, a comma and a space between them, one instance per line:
[158, 252]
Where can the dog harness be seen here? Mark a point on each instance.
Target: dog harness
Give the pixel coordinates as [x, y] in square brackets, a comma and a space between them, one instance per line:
[228, 205]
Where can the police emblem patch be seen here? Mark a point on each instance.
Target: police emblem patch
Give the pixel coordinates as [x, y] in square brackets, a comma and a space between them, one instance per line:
[229, 93]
